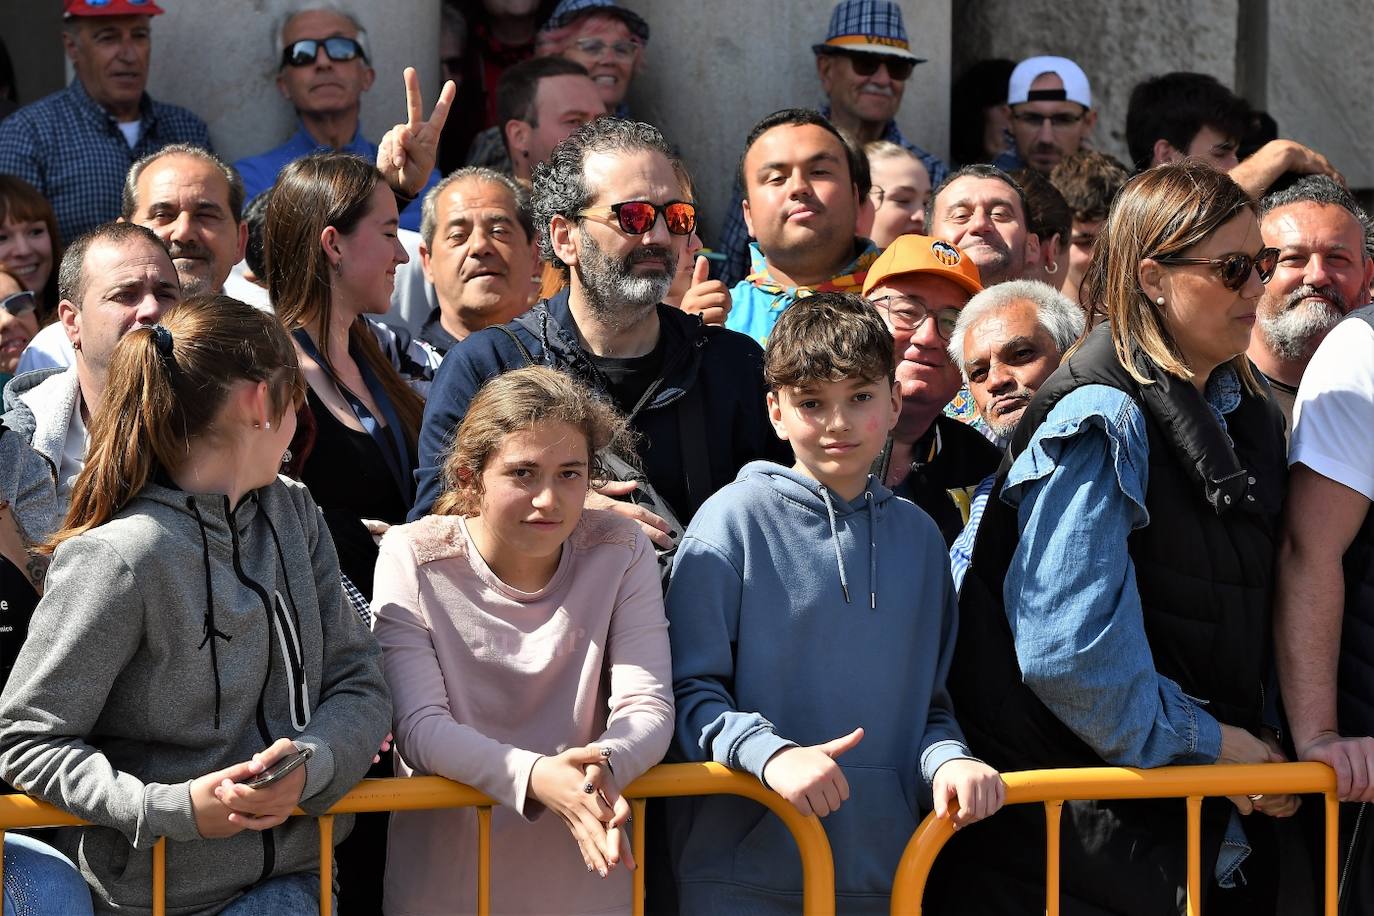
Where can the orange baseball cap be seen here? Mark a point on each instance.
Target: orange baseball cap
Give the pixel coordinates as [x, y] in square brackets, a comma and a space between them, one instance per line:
[72, 8]
[921, 254]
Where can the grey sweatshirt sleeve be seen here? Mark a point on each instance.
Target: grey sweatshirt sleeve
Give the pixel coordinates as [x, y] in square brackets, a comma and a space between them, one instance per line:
[354, 710]
[703, 606]
[82, 635]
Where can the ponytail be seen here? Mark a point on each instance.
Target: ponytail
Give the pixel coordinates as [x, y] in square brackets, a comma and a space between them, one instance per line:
[167, 385]
[134, 418]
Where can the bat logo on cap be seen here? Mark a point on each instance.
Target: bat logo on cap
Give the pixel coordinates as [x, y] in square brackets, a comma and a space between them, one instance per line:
[946, 253]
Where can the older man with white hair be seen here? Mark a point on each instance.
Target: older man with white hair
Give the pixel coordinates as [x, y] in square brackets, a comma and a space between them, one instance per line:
[1007, 341]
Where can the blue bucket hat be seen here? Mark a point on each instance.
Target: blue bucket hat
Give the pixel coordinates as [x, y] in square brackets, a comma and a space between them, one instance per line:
[867, 27]
[568, 10]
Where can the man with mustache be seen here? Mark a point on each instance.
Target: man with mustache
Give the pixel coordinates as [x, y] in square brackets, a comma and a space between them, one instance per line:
[1324, 273]
[802, 200]
[1007, 341]
[193, 201]
[983, 212]
[325, 69]
[75, 145]
[863, 64]
[1051, 108]
[609, 210]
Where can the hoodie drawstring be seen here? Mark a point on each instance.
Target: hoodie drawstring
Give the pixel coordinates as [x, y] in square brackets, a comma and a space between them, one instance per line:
[872, 552]
[211, 632]
[872, 547]
[835, 542]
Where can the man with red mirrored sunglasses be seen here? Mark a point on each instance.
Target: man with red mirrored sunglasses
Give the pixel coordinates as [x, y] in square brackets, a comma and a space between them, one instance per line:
[325, 68]
[76, 145]
[611, 216]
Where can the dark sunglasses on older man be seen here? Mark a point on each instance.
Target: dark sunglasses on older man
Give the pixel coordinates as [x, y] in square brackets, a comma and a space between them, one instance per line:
[1235, 268]
[898, 68]
[302, 53]
[637, 217]
[20, 303]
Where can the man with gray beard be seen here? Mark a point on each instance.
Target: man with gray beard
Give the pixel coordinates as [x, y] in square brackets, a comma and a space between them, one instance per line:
[610, 216]
[1324, 272]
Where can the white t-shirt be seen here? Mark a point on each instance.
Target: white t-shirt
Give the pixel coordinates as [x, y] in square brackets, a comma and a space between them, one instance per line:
[1333, 416]
[49, 349]
[131, 130]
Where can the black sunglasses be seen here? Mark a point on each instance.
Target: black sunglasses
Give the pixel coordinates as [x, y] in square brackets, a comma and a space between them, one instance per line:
[302, 53]
[20, 303]
[637, 217]
[1235, 268]
[898, 68]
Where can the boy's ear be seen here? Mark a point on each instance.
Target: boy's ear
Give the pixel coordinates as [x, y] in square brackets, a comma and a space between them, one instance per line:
[775, 415]
[896, 405]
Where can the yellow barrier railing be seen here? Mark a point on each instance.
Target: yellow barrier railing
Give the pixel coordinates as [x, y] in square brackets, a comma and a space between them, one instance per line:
[1193, 783]
[429, 792]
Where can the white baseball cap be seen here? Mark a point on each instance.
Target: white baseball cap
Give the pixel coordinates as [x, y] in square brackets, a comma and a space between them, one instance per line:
[1074, 79]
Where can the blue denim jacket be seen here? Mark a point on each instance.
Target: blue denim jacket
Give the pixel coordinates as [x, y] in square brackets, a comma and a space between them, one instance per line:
[1071, 599]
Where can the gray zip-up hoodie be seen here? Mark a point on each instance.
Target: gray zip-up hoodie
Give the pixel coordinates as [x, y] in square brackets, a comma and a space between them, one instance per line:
[177, 639]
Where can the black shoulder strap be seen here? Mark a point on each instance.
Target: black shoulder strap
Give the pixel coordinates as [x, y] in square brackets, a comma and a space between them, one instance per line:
[524, 351]
[691, 429]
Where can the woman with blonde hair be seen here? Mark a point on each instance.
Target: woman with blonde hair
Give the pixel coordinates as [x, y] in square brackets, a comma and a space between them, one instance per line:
[193, 634]
[525, 642]
[1117, 609]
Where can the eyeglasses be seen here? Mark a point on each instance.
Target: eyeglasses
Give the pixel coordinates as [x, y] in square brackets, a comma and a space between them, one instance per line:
[878, 194]
[898, 68]
[1031, 119]
[20, 303]
[1235, 267]
[302, 53]
[595, 47]
[907, 314]
[637, 217]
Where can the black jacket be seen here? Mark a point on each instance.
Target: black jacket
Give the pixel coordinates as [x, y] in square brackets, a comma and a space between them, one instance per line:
[722, 370]
[1204, 570]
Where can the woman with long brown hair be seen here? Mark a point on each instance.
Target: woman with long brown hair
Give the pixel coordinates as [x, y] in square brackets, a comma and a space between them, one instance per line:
[193, 633]
[332, 254]
[1117, 609]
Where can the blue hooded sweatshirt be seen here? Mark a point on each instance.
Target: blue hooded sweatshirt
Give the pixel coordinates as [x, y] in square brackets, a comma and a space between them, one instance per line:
[795, 618]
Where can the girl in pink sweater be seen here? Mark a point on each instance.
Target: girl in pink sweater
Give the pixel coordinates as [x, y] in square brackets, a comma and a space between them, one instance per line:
[527, 653]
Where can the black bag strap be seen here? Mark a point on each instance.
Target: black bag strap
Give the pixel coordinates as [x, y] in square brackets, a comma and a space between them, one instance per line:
[524, 351]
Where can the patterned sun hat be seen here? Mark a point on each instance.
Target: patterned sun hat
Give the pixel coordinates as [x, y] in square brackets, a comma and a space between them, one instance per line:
[869, 27]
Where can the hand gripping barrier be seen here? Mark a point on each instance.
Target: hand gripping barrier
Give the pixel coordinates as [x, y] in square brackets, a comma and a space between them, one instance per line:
[428, 792]
[1193, 783]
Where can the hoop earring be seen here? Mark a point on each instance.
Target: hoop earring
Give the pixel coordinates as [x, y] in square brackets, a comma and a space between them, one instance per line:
[1052, 269]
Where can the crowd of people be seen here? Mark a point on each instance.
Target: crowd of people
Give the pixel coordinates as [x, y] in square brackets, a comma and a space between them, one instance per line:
[458, 453]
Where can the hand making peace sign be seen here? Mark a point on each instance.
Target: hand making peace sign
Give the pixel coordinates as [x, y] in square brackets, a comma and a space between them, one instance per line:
[408, 151]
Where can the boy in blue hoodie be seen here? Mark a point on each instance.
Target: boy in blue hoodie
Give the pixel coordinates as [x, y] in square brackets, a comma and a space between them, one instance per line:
[812, 616]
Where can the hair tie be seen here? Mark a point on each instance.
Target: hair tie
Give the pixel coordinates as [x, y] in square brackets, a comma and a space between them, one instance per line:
[162, 339]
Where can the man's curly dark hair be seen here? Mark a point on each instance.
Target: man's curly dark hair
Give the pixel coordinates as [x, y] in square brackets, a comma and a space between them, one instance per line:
[560, 186]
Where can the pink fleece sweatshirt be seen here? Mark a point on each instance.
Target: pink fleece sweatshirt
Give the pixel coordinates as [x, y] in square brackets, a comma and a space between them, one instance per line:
[485, 679]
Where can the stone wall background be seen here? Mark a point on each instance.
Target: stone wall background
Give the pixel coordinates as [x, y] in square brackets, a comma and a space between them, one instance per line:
[1307, 62]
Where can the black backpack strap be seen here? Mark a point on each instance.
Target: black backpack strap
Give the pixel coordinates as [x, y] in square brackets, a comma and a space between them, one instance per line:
[691, 429]
[524, 351]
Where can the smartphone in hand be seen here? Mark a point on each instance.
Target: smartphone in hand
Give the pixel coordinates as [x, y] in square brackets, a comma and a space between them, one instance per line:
[279, 769]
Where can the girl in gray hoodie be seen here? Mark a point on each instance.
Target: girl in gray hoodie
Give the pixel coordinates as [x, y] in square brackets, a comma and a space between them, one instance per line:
[193, 632]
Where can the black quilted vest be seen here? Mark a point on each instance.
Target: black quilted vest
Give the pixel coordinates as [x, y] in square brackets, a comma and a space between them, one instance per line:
[1204, 565]
[1355, 677]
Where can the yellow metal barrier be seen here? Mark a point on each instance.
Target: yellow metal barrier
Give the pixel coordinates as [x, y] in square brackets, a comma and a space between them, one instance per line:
[428, 792]
[1193, 783]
